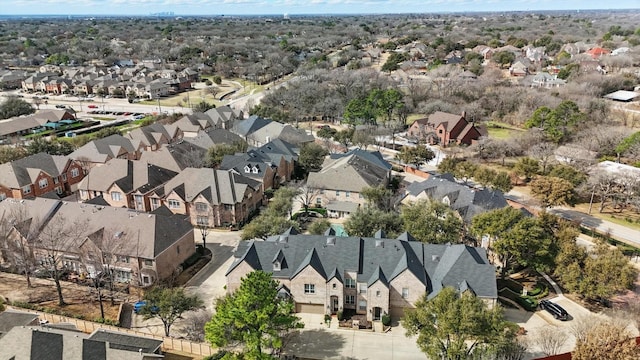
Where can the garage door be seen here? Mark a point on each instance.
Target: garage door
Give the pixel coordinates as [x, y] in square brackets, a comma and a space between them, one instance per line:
[396, 313]
[310, 308]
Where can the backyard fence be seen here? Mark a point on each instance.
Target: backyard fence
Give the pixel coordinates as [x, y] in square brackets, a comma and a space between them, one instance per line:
[168, 343]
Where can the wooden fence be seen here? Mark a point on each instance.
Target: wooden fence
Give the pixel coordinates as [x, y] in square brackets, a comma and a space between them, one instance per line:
[168, 343]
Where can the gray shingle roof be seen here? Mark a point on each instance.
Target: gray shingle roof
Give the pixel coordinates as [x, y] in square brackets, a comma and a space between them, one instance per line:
[435, 265]
[217, 186]
[351, 171]
[468, 202]
[126, 342]
[22, 172]
[129, 175]
[11, 318]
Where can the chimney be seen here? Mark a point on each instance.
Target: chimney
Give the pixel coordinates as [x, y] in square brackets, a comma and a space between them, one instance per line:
[464, 115]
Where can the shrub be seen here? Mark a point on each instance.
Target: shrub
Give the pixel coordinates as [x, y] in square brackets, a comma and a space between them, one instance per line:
[327, 318]
[340, 315]
[386, 320]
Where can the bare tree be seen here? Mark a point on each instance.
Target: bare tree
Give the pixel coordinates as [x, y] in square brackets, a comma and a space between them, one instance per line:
[15, 236]
[544, 153]
[195, 323]
[56, 238]
[550, 340]
[306, 195]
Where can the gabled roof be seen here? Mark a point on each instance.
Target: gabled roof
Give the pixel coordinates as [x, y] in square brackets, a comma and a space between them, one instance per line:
[22, 172]
[467, 201]
[249, 125]
[176, 157]
[434, 265]
[11, 318]
[217, 186]
[129, 175]
[101, 150]
[211, 137]
[351, 171]
[148, 234]
[448, 120]
[118, 340]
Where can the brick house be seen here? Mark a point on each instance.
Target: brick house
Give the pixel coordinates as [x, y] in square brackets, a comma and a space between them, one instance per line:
[372, 276]
[140, 249]
[444, 129]
[124, 183]
[343, 177]
[39, 174]
[210, 197]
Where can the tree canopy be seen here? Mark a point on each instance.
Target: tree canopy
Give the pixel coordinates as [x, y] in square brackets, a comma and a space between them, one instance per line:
[312, 156]
[275, 219]
[168, 304]
[556, 123]
[607, 340]
[456, 326]
[14, 106]
[366, 221]
[253, 317]
[416, 155]
[432, 222]
[216, 153]
[552, 191]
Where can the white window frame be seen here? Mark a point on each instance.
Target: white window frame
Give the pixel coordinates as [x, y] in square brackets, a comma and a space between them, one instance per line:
[309, 289]
[173, 204]
[43, 183]
[362, 305]
[277, 266]
[201, 206]
[116, 196]
[405, 293]
[362, 288]
[26, 189]
[75, 172]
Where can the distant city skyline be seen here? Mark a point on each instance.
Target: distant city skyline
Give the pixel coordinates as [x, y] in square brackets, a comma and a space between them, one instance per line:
[292, 7]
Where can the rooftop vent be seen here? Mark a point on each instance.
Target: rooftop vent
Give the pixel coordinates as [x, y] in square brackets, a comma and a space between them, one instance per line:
[331, 240]
[283, 239]
[379, 243]
[435, 258]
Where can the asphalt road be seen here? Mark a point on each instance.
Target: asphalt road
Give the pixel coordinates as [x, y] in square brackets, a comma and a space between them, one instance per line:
[623, 233]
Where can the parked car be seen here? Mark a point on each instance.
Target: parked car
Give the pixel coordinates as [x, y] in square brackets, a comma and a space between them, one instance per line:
[554, 309]
[140, 304]
[93, 106]
[60, 106]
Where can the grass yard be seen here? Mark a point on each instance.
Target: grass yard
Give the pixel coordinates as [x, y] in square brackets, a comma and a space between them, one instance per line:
[498, 130]
[413, 117]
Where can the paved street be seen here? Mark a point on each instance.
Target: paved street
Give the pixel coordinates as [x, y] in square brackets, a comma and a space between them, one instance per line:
[620, 232]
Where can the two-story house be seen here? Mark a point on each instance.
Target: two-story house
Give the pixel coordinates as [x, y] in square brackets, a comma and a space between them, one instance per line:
[39, 174]
[99, 151]
[124, 183]
[139, 248]
[343, 177]
[210, 197]
[372, 276]
[444, 128]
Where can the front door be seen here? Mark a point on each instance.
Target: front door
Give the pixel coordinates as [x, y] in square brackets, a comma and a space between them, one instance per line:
[376, 313]
[334, 304]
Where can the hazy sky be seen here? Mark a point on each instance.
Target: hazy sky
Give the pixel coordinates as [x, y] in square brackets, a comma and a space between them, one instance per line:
[256, 7]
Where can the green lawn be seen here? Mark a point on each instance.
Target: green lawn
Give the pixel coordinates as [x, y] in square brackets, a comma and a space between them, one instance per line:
[498, 130]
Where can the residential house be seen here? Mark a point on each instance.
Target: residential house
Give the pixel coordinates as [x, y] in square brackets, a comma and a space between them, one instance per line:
[546, 80]
[223, 117]
[258, 131]
[444, 129]
[99, 151]
[12, 318]
[344, 176]
[12, 130]
[191, 124]
[519, 68]
[177, 156]
[209, 137]
[54, 342]
[597, 52]
[211, 197]
[125, 183]
[371, 276]
[141, 249]
[280, 153]
[39, 174]
[466, 201]
[11, 79]
[256, 169]
[154, 136]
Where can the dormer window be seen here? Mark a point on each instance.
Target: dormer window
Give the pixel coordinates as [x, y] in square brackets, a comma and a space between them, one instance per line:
[276, 265]
[247, 169]
[445, 200]
[255, 170]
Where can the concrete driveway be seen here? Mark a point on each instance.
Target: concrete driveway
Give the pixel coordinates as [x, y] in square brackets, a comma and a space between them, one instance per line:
[209, 282]
[317, 341]
[541, 321]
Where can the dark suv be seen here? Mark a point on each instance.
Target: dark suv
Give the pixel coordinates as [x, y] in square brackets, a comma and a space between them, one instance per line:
[554, 309]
